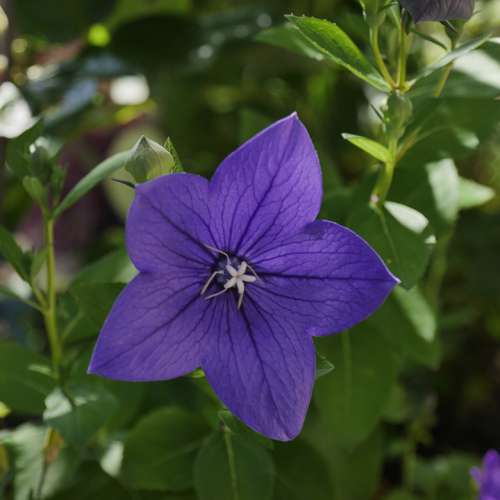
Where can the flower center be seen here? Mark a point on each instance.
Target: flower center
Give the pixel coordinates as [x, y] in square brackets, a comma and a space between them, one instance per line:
[229, 273]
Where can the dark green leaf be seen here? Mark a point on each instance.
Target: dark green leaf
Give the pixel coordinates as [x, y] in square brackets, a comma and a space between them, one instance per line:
[95, 300]
[114, 267]
[12, 253]
[301, 473]
[18, 150]
[25, 379]
[336, 45]
[79, 412]
[288, 36]
[412, 328]
[229, 466]
[161, 449]
[351, 400]
[401, 236]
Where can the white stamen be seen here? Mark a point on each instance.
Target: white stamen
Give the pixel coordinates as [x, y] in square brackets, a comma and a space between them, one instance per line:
[238, 278]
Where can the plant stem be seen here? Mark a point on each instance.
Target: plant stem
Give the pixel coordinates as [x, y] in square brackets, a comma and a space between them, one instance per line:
[232, 462]
[50, 309]
[346, 356]
[386, 174]
[444, 78]
[378, 57]
[401, 78]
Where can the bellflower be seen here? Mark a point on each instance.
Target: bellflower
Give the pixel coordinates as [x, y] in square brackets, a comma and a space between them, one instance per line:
[488, 478]
[438, 10]
[236, 276]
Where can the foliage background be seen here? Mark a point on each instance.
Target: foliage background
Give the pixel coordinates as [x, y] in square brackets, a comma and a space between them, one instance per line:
[414, 398]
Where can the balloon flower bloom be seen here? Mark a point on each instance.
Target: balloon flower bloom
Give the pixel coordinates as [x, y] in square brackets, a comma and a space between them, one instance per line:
[438, 10]
[488, 478]
[236, 277]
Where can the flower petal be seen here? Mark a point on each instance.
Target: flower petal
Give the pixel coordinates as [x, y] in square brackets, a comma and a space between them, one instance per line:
[168, 224]
[268, 188]
[261, 366]
[438, 10]
[326, 276]
[154, 330]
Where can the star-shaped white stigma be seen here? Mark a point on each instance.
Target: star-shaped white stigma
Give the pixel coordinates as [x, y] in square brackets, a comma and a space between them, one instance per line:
[238, 278]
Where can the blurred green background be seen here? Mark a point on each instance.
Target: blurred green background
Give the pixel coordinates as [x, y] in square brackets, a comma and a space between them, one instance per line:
[104, 72]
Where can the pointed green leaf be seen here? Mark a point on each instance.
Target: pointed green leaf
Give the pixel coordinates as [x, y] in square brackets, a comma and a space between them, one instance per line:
[336, 45]
[98, 174]
[12, 253]
[373, 148]
[473, 194]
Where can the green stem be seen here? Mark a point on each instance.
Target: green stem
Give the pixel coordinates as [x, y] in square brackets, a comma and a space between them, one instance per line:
[346, 356]
[50, 309]
[386, 174]
[437, 270]
[403, 48]
[232, 462]
[379, 60]
[444, 78]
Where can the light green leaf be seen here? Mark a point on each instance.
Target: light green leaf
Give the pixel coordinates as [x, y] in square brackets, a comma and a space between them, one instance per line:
[373, 148]
[96, 175]
[12, 253]
[79, 412]
[323, 366]
[472, 194]
[336, 45]
[351, 400]
[454, 54]
[26, 443]
[229, 466]
[25, 379]
[160, 450]
[401, 236]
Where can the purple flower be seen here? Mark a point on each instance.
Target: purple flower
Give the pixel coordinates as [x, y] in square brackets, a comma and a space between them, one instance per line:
[488, 479]
[236, 277]
[438, 10]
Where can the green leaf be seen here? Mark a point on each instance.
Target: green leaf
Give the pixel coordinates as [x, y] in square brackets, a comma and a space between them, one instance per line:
[413, 326]
[336, 45]
[398, 408]
[37, 263]
[356, 471]
[433, 191]
[25, 379]
[401, 236]
[454, 54]
[114, 267]
[18, 155]
[473, 194]
[301, 473]
[323, 366]
[229, 466]
[96, 175]
[26, 444]
[288, 36]
[351, 401]
[160, 450]
[148, 160]
[169, 146]
[373, 148]
[79, 412]
[236, 426]
[12, 253]
[95, 300]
